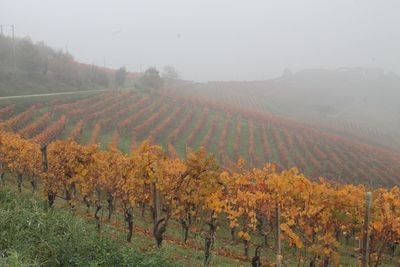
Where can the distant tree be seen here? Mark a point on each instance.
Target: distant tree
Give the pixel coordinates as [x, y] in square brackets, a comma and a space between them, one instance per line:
[170, 73]
[46, 54]
[151, 79]
[120, 77]
[287, 72]
[5, 50]
[27, 56]
[98, 77]
[65, 69]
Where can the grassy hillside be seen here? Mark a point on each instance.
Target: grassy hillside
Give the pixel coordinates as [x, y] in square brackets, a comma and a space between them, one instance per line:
[126, 118]
[32, 235]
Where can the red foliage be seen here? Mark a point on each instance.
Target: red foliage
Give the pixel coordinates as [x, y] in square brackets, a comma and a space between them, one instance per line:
[107, 111]
[252, 144]
[76, 133]
[95, 133]
[224, 134]
[115, 138]
[15, 123]
[182, 125]
[36, 126]
[238, 135]
[133, 102]
[133, 142]
[131, 120]
[152, 119]
[67, 107]
[198, 127]
[162, 126]
[172, 151]
[86, 111]
[52, 132]
[211, 131]
[265, 143]
[6, 112]
[280, 145]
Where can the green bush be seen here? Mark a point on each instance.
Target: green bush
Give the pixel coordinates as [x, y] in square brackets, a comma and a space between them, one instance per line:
[30, 235]
[13, 259]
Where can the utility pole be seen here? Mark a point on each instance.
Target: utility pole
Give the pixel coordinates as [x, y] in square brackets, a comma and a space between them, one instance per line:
[7, 25]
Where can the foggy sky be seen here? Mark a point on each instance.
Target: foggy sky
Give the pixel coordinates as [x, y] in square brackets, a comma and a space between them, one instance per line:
[216, 39]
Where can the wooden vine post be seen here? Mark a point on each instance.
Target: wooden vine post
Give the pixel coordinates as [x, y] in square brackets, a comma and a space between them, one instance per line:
[51, 196]
[278, 237]
[365, 232]
[155, 194]
[159, 223]
[45, 164]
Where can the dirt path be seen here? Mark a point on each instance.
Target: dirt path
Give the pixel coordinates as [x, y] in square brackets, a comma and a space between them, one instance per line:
[52, 94]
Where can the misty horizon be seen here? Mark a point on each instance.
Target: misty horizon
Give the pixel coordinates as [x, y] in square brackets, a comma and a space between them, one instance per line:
[215, 41]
